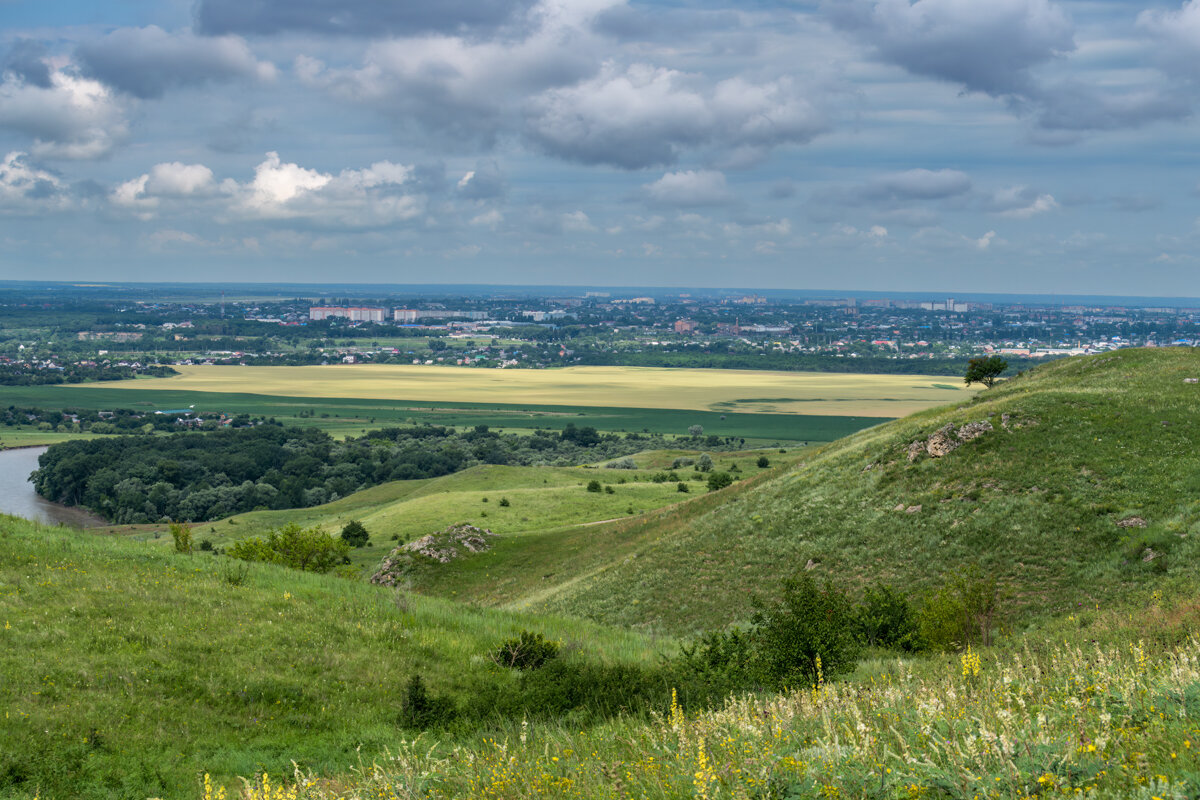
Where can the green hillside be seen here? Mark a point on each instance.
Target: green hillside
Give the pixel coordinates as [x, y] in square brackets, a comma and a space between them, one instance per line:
[126, 671]
[1081, 453]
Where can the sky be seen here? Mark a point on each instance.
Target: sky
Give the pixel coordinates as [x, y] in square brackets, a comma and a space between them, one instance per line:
[1019, 146]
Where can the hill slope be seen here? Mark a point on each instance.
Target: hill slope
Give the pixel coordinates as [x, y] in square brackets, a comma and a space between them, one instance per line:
[126, 671]
[1079, 454]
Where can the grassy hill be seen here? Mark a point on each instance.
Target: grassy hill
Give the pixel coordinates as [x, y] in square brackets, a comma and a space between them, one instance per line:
[126, 671]
[541, 500]
[1081, 452]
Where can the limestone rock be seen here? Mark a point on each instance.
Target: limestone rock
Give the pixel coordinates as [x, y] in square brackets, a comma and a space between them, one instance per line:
[942, 442]
[973, 430]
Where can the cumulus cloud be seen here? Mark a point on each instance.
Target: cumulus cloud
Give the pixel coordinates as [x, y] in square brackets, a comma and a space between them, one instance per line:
[26, 60]
[1020, 202]
[689, 189]
[146, 62]
[169, 180]
[369, 18]
[368, 197]
[643, 116]
[71, 118]
[484, 182]
[30, 189]
[577, 222]
[1178, 35]
[466, 90]
[987, 47]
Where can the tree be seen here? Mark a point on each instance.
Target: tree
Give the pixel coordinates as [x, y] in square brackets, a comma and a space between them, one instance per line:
[308, 549]
[695, 431]
[985, 370]
[719, 480]
[807, 634]
[355, 535]
[763, 462]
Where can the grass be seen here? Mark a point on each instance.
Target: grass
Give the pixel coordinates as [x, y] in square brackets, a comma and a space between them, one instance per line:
[542, 501]
[809, 393]
[1091, 442]
[1044, 719]
[127, 671]
[22, 436]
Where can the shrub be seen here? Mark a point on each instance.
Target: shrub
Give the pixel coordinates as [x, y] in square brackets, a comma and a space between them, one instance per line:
[622, 463]
[682, 461]
[182, 535]
[355, 535]
[593, 486]
[525, 652]
[420, 709]
[805, 635]
[660, 477]
[719, 480]
[960, 611]
[885, 618]
[206, 545]
[695, 431]
[309, 549]
[504, 502]
[704, 463]
[763, 462]
[681, 487]
[609, 490]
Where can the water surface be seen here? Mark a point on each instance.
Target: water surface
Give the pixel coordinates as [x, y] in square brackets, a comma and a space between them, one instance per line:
[18, 498]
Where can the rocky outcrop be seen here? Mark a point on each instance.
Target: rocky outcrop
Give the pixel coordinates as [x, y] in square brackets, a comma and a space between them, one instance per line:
[947, 439]
[457, 541]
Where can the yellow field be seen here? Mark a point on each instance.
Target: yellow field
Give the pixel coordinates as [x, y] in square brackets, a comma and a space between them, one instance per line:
[819, 393]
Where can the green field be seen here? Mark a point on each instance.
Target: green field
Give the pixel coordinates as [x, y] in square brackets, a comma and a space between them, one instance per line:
[349, 416]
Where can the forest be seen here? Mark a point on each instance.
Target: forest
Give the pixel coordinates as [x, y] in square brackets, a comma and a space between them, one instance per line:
[194, 477]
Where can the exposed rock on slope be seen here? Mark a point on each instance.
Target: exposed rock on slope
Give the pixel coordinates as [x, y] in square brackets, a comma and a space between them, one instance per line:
[444, 546]
[946, 439]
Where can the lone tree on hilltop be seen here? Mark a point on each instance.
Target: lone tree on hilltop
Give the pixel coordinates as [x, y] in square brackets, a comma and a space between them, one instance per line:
[985, 370]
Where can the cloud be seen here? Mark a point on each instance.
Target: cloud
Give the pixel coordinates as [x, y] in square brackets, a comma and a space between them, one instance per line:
[370, 197]
[146, 62]
[984, 46]
[170, 180]
[917, 184]
[643, 116]
[689, 189]
[577, 222]
[488, 219]
[897, 196]
[484, 182]
[466, 90]
[72, 118]
[25, 188]
[1178, 36]
[370, 18]
[26, 60]
[985, 241]
[1020, 202]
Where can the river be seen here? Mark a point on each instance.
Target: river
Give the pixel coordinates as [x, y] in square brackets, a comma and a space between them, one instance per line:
[18, 498]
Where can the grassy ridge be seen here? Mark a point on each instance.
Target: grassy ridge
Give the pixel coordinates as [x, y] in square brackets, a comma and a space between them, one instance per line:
[126, 671]
[1091, 442]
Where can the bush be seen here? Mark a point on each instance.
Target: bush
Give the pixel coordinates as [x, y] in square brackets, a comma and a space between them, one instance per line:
[420, 709]
[806, 635]
[182, 535]
[719, 480]
[206, 545]
[622, 463]
[704, 463]
[681, 487]
[355, 535]
[504, 502]
[609, 490]
[309, 549]
[593, 486]
[763, 462]
[885, 618]
[525, 652]
[959, 612]
[682, 461]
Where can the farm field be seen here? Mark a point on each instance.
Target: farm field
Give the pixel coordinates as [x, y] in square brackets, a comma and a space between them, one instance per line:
[809, 393]
[340, 416]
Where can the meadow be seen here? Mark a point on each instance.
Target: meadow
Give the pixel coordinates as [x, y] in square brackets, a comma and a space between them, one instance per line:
[541, 501]
[809, 393]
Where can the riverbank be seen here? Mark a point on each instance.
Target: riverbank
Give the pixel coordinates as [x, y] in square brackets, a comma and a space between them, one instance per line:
[18, 498]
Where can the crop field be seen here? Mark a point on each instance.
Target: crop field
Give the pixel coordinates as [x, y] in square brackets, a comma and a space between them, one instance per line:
[810, 393]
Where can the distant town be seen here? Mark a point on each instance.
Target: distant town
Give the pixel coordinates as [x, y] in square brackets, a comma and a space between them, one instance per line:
[72, 336]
